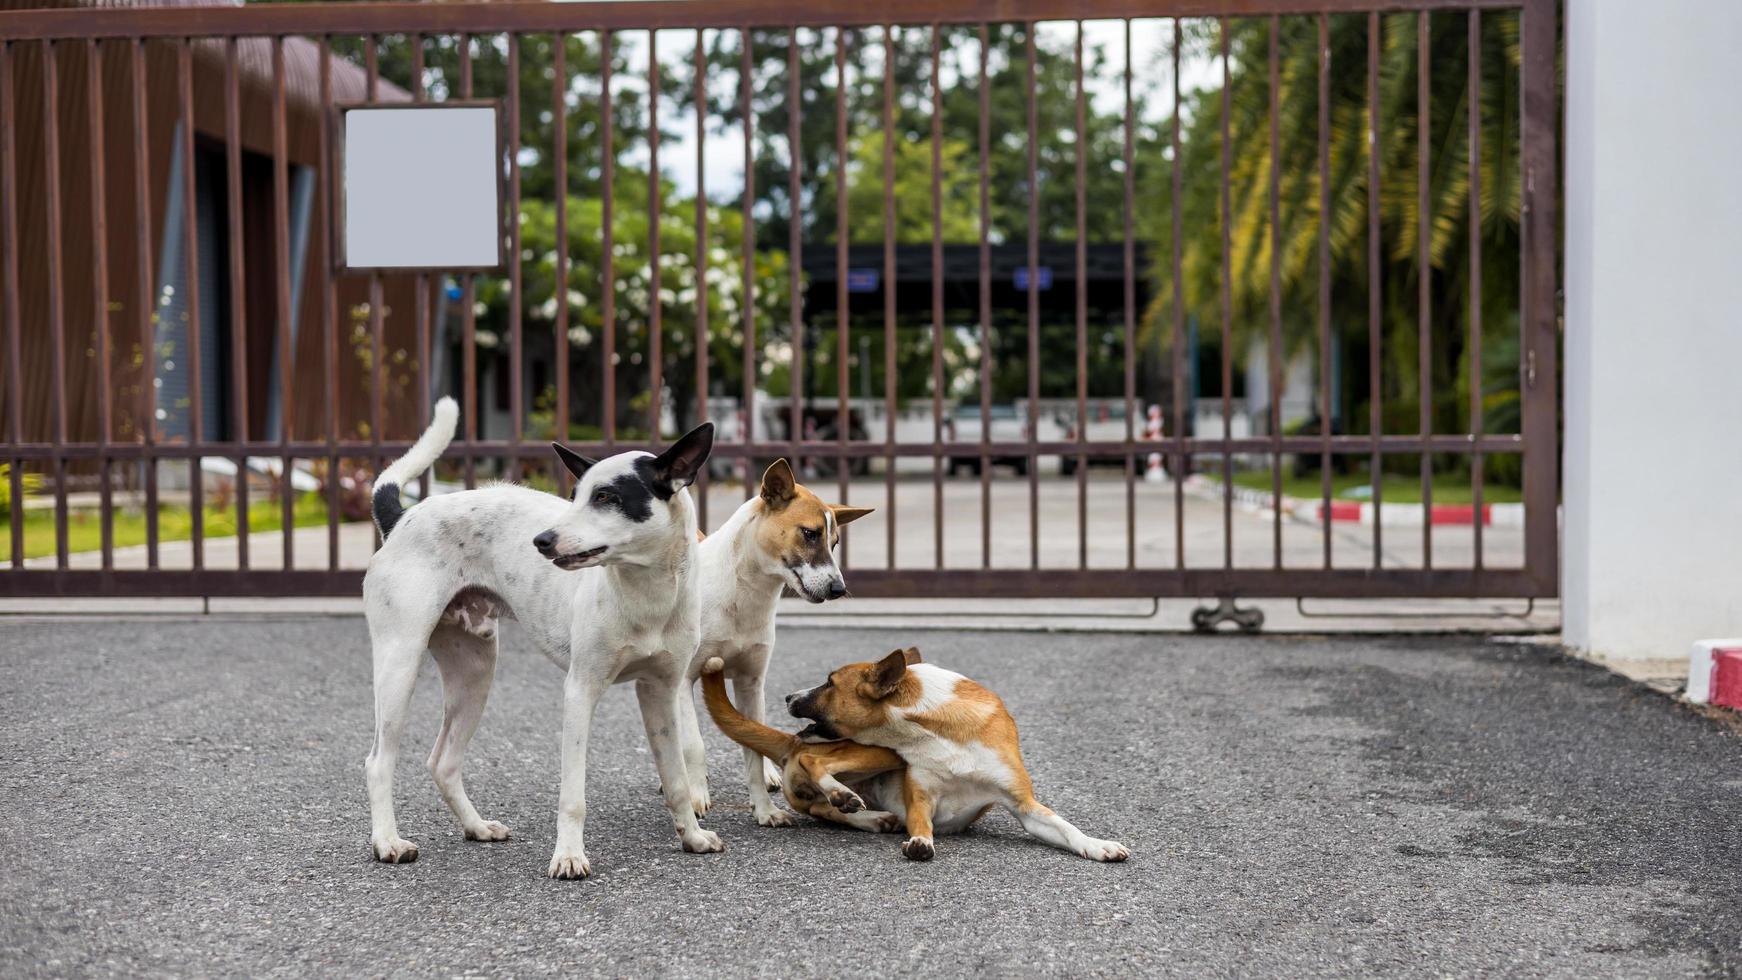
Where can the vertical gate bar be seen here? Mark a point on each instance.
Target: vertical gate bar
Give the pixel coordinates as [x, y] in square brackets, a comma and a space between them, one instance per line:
[1130, 327]
[1275, 348]
[655, 328]
[238, 291]
[147, 299]
[795, 252]
[1375, 394]
[1082, 316]
[329, 298]
[1032, 425]
[286, 346]
[986, 334]
[1179, 324]
[745, 90]
[559, 117]
[1227, 303]
[701, 332]
[1424, 287]
[516, 302]
[468, 312]
[56, 297]
[1325, 366]
[191, 278]
[608, 173]
[1539, 319]
[889, 286]
[843, 416]
[377, 392]
[100, 292]
[420, 303]
[10, 298]
[937, 301]
[1478, 512]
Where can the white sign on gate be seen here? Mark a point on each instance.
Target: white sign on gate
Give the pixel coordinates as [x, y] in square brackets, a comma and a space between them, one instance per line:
[422, 187]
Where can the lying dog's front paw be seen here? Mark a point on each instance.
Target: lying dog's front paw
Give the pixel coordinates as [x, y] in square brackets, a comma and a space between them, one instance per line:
[565, 866]
[775, 817]
[887, 823]
[394, 850]
[487, 830]
[1103, 850]
[846, 801]
[703, 842]
[918, 849]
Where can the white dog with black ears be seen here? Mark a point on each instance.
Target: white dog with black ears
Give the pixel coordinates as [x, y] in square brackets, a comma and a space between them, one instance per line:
[451, 565]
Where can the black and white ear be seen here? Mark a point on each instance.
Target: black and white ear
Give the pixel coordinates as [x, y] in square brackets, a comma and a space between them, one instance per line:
[777, 484]
[679, 465]
[889, 672]
[576, 463]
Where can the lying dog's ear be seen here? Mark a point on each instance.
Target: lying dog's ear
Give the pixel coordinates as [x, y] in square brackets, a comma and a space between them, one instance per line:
[911, 654]
[576, 463]
[678, 466]
[847, 515]
[777, 484]
[889, 672]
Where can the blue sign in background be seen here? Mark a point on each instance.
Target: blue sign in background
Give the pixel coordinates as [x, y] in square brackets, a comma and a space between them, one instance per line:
[1042, 278]
[862, 280]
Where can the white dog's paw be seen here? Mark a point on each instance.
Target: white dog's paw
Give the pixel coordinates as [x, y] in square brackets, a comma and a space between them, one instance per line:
[775, 817]
[394, 850]
[700, 801]
[771, 775]
[703, 842]
[570, 866]
[1103, 850]
[487, 830]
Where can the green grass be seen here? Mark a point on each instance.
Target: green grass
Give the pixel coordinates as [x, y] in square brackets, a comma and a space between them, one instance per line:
[1397, 489]
[174, 523]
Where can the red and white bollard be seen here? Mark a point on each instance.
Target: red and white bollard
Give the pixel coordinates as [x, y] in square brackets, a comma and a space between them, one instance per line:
[1152, 429]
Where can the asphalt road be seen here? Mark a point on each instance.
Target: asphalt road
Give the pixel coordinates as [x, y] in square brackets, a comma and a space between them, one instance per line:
[186, 798]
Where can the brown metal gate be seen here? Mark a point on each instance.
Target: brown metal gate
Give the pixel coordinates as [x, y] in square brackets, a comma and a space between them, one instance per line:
[110, 104]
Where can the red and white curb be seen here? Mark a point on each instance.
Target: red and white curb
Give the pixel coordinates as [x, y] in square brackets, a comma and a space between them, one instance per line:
[1715, 673]
[1312, 511]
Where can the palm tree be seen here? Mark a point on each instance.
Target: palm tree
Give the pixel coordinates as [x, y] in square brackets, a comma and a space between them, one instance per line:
[1248, 46]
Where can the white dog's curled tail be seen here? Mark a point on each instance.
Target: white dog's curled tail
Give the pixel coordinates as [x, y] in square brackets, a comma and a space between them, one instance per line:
[422, 455]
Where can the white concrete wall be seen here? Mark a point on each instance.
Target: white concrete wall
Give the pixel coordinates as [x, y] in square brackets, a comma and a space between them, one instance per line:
[1653, 464]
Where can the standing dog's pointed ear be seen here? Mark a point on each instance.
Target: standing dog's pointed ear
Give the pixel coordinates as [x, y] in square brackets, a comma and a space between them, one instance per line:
[889, 672]
[777, 484]
[678, 466]
[847, 515]
[576, 463]
[911, 655]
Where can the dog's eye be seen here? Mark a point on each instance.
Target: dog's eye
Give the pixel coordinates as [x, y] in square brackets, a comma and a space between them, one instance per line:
[603, 497]
[812, 535]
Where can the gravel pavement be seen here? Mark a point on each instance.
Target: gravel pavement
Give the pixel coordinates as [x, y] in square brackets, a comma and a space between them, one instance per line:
[185, 797]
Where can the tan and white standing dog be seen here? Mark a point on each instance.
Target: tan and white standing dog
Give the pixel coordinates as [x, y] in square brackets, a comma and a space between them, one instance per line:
[782, 538]
[959, 743]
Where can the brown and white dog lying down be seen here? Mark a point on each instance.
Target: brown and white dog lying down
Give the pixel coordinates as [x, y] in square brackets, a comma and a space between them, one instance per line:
[821, 779]
[957, 739]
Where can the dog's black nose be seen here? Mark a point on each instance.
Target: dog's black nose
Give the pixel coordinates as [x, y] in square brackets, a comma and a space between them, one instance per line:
[837, 589]
[789, 698]
[545, 542]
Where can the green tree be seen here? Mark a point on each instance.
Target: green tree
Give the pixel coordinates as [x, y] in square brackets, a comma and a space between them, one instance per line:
[1249, 226]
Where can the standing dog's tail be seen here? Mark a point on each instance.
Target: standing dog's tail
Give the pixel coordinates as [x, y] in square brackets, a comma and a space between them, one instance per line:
[753, 735]
[429, 446]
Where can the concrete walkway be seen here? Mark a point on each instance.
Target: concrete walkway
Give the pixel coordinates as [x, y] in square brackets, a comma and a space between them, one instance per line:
[185, 797]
